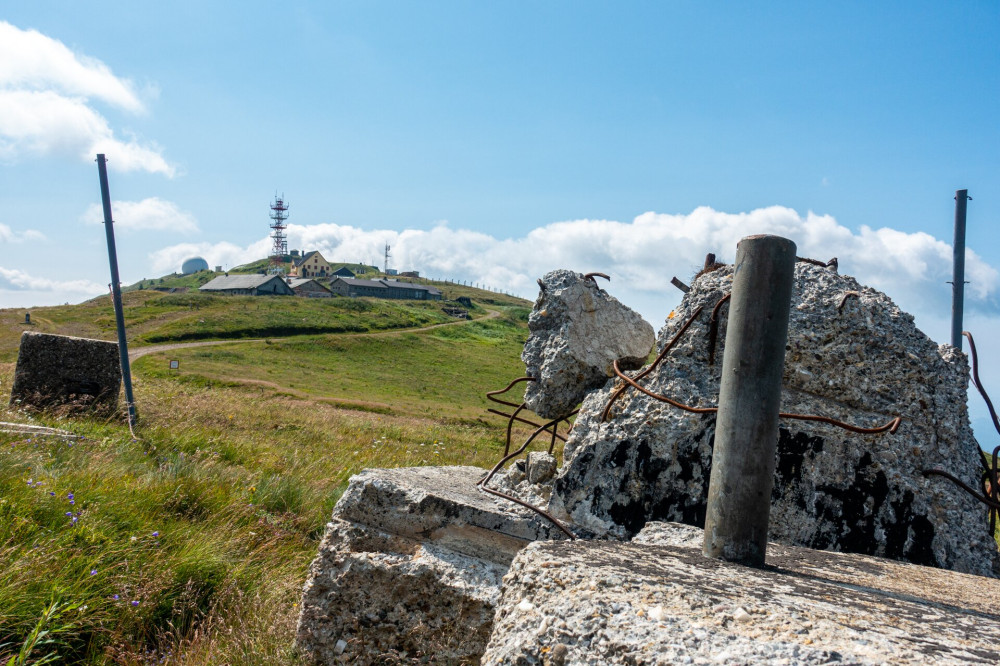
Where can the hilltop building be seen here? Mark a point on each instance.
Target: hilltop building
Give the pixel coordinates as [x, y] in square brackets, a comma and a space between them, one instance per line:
[344, 271]
[248, 285]
[311, 265]
[309, 287]
[193, 265]
[383, 288]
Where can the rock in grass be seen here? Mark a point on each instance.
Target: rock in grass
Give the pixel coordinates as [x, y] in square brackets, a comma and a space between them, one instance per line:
[578, 331]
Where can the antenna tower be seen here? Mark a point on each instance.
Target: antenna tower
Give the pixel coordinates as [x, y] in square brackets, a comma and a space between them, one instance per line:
[385, 267]
[279, 246]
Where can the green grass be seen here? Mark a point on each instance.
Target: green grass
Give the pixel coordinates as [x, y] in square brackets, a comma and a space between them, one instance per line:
[209, 520]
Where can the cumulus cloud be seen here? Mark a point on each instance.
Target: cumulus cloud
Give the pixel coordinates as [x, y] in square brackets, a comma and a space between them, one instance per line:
[8, 235]
[151, 214]
[12, 279]
[46, 95]
[641, 255]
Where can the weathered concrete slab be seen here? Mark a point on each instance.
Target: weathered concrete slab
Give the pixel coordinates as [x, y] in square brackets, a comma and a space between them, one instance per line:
[62, 371]
[411, 566]
[578, 331]
[657, 600]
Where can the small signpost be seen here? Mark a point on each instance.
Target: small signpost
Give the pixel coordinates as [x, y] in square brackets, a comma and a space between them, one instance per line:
[175, 365]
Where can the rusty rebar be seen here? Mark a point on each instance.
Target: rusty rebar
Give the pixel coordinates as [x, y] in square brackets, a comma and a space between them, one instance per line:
[891, 426]
[591, 276]
[713, 328]
[491, 395]
[979, 385]
[847, 294]
[617, 394]
[963, 485]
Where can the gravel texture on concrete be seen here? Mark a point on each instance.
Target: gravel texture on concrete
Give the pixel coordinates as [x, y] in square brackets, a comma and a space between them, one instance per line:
[63, 371]
[852, 355]
[578, 331]
[658, 600]
[410, 568]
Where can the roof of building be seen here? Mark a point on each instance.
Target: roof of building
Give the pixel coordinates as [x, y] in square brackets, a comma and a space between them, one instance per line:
[344, 271]
[358, 282]
[410, 285]
[295, 282]
[226, 282]
[305, 257]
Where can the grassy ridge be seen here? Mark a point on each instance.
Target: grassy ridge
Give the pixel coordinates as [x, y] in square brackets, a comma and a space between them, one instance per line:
[191, 544]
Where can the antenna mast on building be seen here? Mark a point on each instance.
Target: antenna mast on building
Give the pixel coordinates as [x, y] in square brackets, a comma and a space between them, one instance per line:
[385, 267]
[279, 246]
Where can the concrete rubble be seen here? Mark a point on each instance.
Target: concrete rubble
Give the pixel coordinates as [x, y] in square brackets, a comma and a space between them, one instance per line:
[657, 600]
[578, 331]
[415, 565]
[59, 371]
[853, 356]
[410, 566]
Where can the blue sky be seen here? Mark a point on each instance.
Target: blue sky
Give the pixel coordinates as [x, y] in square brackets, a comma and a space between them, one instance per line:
[493, 142]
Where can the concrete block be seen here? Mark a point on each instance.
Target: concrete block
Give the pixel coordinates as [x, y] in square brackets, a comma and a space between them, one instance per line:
[62, 371]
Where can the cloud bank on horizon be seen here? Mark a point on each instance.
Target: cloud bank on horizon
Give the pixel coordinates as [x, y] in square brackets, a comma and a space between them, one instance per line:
[47, 96]
[641, 255]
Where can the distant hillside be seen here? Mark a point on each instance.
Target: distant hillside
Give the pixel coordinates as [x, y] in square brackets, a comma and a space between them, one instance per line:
[153, 317]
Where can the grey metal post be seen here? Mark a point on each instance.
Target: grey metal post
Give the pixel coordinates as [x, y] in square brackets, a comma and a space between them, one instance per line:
[116, 291]
[746, 430]
[958, 273]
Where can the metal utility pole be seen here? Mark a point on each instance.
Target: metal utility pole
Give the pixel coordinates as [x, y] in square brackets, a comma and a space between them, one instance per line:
[116, 291]
[958, 273]
[746, 427]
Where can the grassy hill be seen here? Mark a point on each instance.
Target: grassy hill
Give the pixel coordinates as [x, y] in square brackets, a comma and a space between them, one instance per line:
[190, 543]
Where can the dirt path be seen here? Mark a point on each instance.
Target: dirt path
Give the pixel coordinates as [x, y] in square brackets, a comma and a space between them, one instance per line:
[139, 352]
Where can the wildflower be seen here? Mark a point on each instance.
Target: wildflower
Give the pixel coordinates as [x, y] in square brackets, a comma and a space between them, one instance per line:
[93, 572]
[72, 501]
[135, 603]
[133, 538]
[70, 496]
[30, 481]
[69, 513]
[74, 520]
[52, 494]
[115, 597]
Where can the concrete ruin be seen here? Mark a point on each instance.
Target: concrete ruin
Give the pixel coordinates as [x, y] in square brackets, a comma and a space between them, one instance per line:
[578, 331]
[853, 356]
[416, 563]
[59, 371]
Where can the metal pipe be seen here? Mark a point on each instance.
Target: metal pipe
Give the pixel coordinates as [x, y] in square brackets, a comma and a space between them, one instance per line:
[958, 275]
[116, 291]
[746, 430]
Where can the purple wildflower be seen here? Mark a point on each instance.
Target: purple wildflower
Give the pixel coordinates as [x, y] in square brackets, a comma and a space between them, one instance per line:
[74, 520]
[115, 597]
[156, 534]
[93, 572]
[52, 494]
[69, 513]
[135, 603]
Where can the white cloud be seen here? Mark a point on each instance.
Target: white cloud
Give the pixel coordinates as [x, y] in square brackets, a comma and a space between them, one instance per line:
[31, 61]
[151, 214]
[169, 259]
[12, 279]
[8, 235]
[45, 94]
[641, 255]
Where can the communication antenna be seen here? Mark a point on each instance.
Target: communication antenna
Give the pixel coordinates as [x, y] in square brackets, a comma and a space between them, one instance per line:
[279, 245]
[385, 268]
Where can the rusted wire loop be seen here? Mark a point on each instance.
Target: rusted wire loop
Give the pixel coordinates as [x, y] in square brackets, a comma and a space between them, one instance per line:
[833, 263]
[521, 420]
[979, 384]
[847, 294]
[652, 366]
[964, 486]
[508, 456]
[491, 395]
[527, 505]
[891, 426]
[713, 328]
[591, 276]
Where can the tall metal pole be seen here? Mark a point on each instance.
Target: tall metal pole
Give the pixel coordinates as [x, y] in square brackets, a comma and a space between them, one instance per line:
[958, 274]
[116, 291]
[746, 426]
